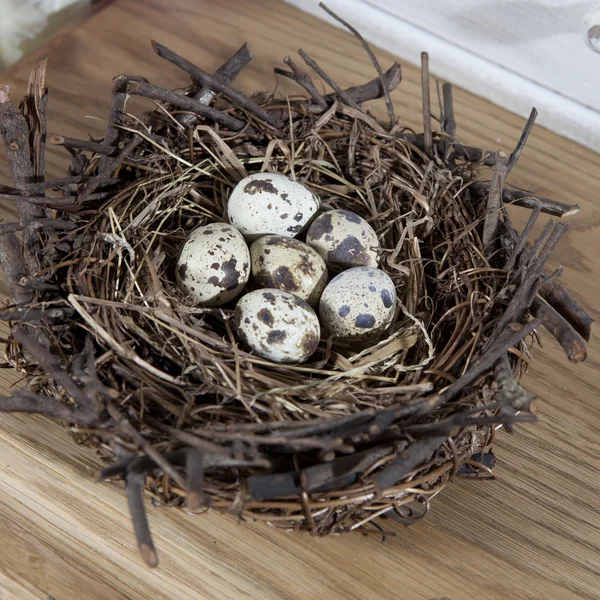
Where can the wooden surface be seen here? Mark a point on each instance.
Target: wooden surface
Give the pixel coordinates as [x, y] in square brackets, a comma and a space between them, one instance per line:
[534, 533]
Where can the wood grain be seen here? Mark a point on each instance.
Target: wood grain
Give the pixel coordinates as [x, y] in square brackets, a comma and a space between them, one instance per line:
[532, 534]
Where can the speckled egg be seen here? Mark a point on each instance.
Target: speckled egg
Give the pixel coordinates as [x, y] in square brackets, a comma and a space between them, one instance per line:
[290, 265]
[266, 203]
[214, 264]
[277, 325]
[344, 239]
[358, 304]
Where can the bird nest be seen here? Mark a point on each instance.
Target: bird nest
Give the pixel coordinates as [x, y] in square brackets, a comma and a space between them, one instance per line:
[164, 389]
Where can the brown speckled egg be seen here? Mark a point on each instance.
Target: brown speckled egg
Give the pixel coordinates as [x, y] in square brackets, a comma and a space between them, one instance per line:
[290, 265]
[214, 264]
[344, 239]
[277, 325]
[266, 203]
[358, 304]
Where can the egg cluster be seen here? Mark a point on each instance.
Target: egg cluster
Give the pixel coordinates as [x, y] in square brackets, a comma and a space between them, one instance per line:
[277, 320]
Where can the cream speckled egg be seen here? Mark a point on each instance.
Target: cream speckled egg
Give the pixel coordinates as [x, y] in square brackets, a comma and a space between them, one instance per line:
[277, 325]
[214, 264]
[266, 203]
[344, 239]
[290, 265]
[358, 304]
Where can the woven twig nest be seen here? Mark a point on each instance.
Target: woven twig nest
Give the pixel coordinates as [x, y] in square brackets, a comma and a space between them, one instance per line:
[163, 388]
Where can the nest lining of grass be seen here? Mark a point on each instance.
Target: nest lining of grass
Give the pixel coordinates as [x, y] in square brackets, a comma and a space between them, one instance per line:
[112, 347]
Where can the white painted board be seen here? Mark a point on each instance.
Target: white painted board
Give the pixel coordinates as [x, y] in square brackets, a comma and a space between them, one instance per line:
[517, 53]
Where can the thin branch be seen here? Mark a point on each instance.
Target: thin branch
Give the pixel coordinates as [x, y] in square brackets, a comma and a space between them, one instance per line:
[134, 488]
[141, 442]
[117, 109]
[88, 407]
[36, 224]
[88, 145]
[24, 315]
[24, 401]
[527, 200]
[106, 172]
[487, 360]
[494, 202]
[426, 101]
[341, 94]
[409, 459]
[303, 79]
[449, 124]
[531, 280]
[365, 45]
[571, 342]
[516, 153]
[226, 73]
[520, 244]
[15, 135]
[214, 84]
[141, 87]
[37, 201]
[553, 292]
[509, 391]
[196, 498]
[372, 90]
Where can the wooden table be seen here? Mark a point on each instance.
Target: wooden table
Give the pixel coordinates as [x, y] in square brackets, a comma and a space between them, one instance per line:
[534, 533]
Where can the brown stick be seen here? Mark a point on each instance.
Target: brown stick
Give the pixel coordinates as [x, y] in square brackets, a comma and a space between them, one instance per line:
[565, 335]
[25, 315]
[88, 407]
[34, 110]
[527, 200]
[409, 459]
[36, 224]
[15, 271]
[106, 172]
[520, 244]
[485, 157]
[509, 390]
[303, 79]
[449, 124]
[386, 93]
[37, 201]
[117, 108]
[226, 73]
[196, 498]
[35, 188]
[372, 90]
[488, 359]
[34, 107]
[531, 279]
[426, 101]
[340, 93]
[494, 202]
[134, 488]
[15, 135]
[553, 292]
[141, 87]
[516, 153]
[24, 401]
[76, 144]
[214, 84]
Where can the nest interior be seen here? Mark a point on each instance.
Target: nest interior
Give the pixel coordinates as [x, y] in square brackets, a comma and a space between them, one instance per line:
[161, 386]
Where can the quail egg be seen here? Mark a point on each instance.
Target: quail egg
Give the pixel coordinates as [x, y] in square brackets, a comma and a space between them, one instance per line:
[277, 325]
[266, 203]
[290, 265]
[358, 304]
[214, 264]
[344, 239]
